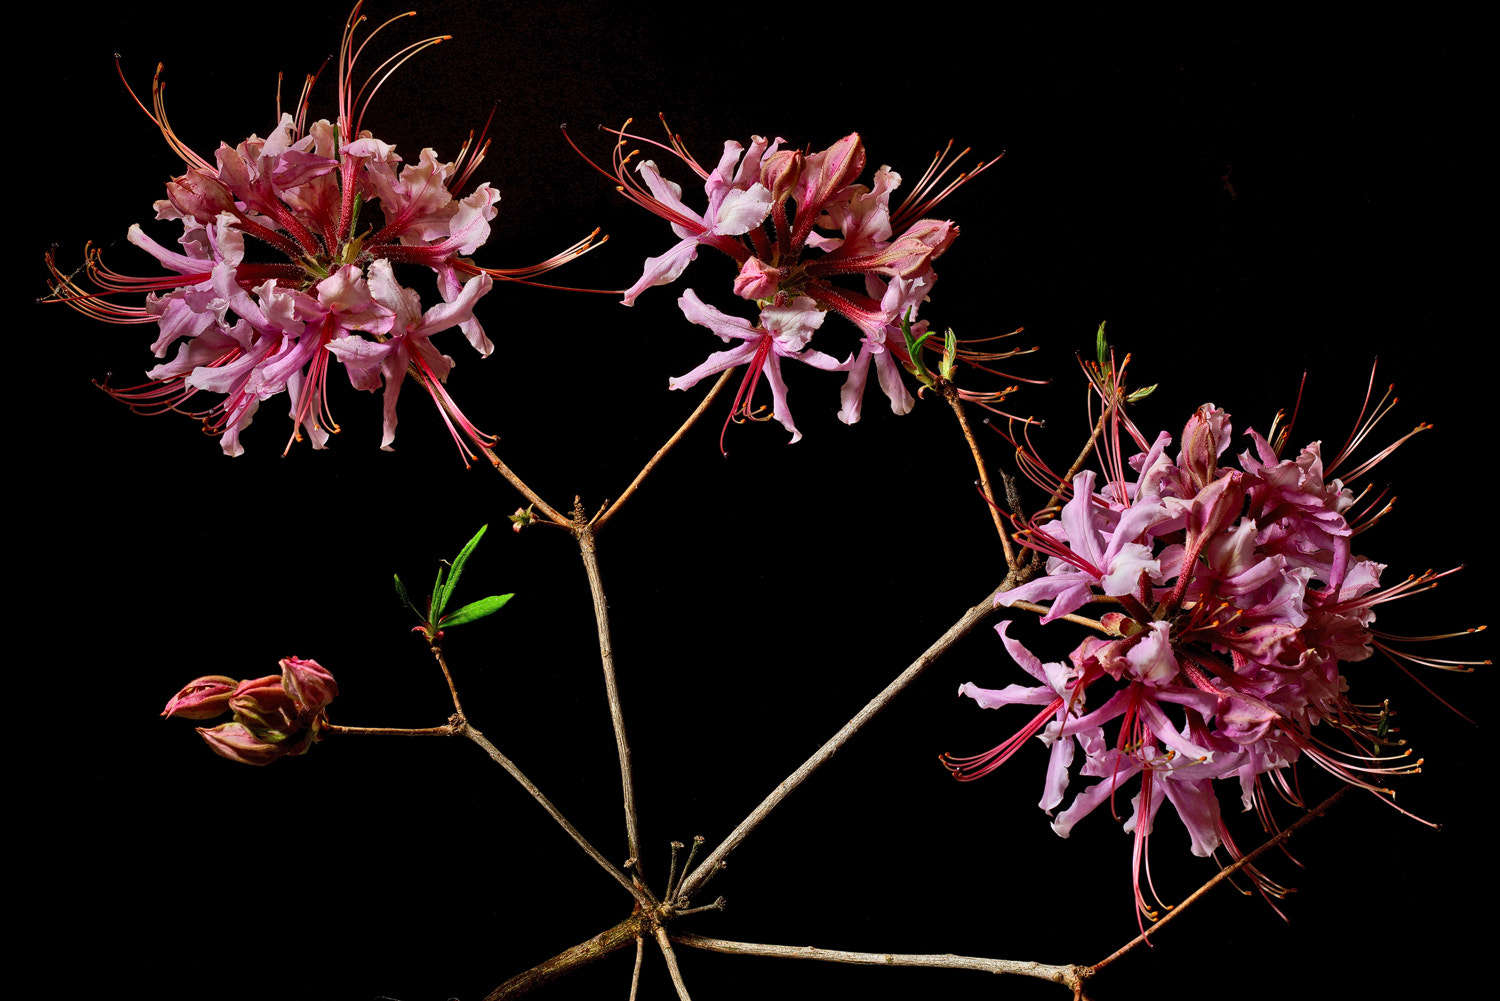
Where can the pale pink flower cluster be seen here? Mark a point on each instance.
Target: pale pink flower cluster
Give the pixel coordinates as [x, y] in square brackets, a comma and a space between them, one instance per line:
[792, 222]
[247, 331]
[1240, 599]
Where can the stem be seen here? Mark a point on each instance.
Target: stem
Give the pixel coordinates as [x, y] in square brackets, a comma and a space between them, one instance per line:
[665, 941]
[585, 535]
[1222, 875]
[446, 730]
[555, 814]
[955, 632]
[437, 652]
[608, 941]
[1069, 976]
[640, 957]
[519, 484]
[951, 395]
[600, 519]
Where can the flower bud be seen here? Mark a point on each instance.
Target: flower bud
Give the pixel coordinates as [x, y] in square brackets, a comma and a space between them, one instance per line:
[309, 683]
[828, 173]
[938, 234]
[780, 173]
[237, 743]
[757, 281]
[199, 194]
[202, 698]
[1204, 439]
[265, 707]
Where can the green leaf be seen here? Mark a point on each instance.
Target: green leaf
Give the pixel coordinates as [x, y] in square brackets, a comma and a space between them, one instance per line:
[458, 568]
[436, 599]
[1102, 346]
[401, 590]
[476, 610]
[913, 350]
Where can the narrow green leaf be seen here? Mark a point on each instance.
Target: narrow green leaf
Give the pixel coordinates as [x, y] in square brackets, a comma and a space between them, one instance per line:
[476, 610]
[436, 599]
[913, 350]
[458, 567]
[401, 590]
[1102, 345]
[950, 354]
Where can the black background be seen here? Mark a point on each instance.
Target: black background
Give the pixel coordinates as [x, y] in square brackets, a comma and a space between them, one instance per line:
[1242, 200]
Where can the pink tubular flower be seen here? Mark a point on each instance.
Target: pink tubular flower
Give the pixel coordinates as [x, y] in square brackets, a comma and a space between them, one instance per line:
[1239, 599]
[771, 210]
[274, 716]
[247, 331]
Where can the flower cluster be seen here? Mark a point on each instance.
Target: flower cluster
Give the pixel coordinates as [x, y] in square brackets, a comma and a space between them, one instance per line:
[791, 222]
[248, 330]
[274, 716]
[1239, 598]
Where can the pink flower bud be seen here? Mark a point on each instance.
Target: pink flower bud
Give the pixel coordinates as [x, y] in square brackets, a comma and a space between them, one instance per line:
[202, 698]
[828, 173]
[238, 743]
[757, 281]
[199, 194]
[938, 234]
[264, 705]
[309, 683]
[1204, 439]
[780, 173]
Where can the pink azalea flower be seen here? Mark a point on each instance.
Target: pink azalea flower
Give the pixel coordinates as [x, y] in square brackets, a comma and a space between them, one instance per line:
[1241, 599]
[341, 207]
[783, 333]
[764, 209]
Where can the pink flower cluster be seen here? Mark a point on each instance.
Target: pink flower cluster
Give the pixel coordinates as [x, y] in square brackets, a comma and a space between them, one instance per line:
[245, 330]
[792, 222]
[1240, 598]
[274, 716]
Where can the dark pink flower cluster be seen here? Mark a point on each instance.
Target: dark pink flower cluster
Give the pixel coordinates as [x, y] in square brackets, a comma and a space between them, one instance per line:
[274, 716]
[1239, 599]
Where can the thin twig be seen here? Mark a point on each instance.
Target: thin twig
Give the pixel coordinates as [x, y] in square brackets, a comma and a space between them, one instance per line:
[665, 941]
[600, 519]
[556, 815]
[447, 730]
[1222, 875]
[437, 651]
[585, 535]
[955, 632]
[1068, 976]
[951, 395]
[602, 944]
[640, 957]
[515, 481]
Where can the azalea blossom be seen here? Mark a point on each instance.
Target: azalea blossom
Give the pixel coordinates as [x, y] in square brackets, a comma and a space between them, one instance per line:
[1236, 604]
[341, 208]
[794, 224]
